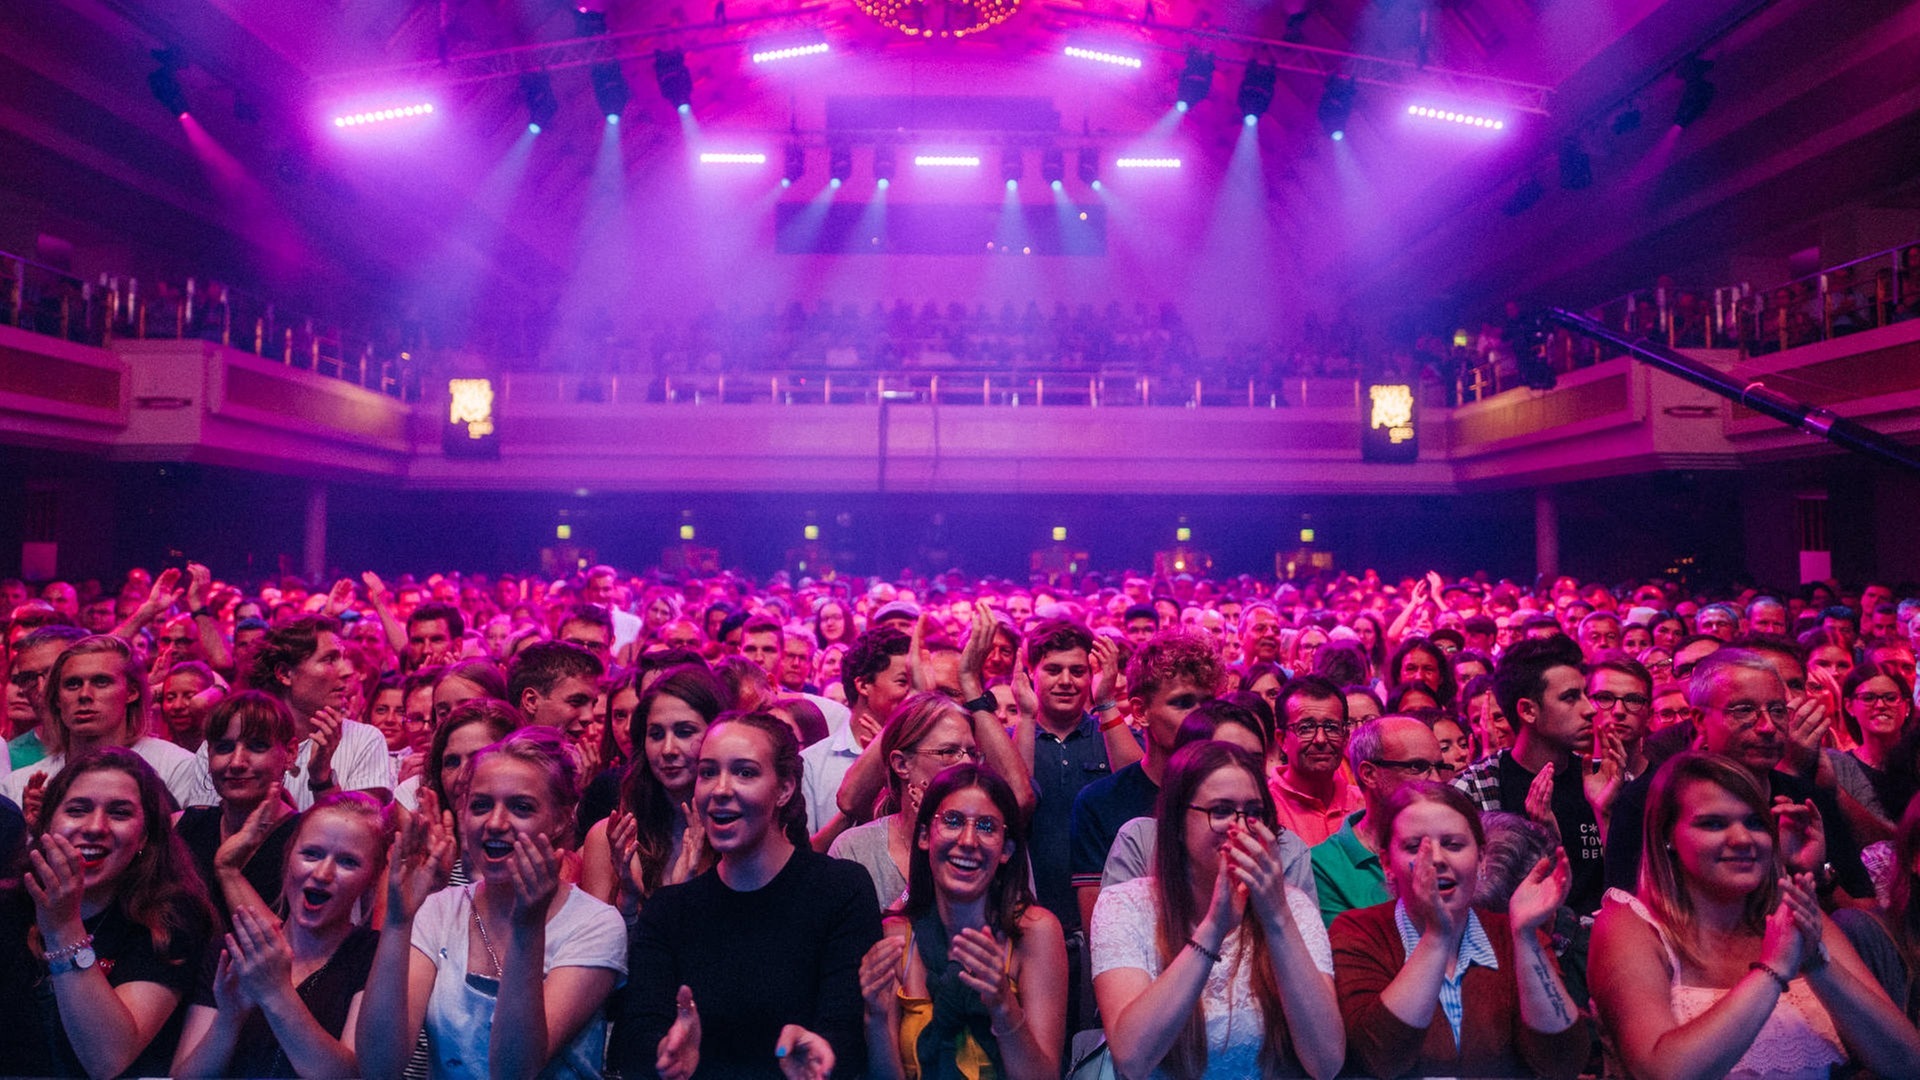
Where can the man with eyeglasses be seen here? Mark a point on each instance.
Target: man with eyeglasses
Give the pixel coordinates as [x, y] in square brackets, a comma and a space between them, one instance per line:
[1621, 690]
[1744, 710]
[1542, 687]
[1384, 753]
[32, 657]
[1309, 793]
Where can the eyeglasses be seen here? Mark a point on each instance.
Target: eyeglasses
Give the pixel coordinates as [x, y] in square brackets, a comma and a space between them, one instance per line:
[1309, 732]
[1885, 698]
[1673, 715]
[952, 754]
[1223, 816]
[1746, 713]
[27, 680]
[1415, 766]
[953, 823]
[1632, 702]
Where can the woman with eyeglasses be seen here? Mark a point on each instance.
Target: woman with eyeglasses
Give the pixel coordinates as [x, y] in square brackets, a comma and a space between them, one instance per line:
[971, 977]
[1432, 986]
[926, 734]
[1878, 774]
[1723, 965]
[1215, 966]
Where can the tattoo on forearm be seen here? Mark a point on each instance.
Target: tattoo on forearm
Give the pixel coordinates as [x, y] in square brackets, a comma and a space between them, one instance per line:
[1550, 988]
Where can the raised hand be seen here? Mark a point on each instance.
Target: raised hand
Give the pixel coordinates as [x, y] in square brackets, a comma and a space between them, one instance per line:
[916, 659]
[325, 736]
[199, 581]
[56, 880]
[1808, 725]
[536, 877]
[165, 593]
[693, 843]
[1446, 916]
[1105, 658]
[339, 598]
[803, 1055]
[984, 966]
[1225, 908]
[679, 1053]
[973, 657]
[1602, 785]
[33, 797]
[1253, 854]
[1803, 835]
[1540, 798]
[237, 850]
[259, 955]
[228, 993]
[1024, 697]
[880, 975]
[1797, 896]
[422, 856]
[377, 590]
[1540, 894]
[1784, 947]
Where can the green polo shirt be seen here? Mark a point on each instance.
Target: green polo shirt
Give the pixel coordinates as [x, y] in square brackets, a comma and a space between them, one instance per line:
[25, 749]
[1346, 873]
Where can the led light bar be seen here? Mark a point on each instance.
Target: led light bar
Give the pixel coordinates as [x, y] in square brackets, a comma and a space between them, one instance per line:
[790, 52]
[1451, 116]
[948, 161]
[1147, 163]
[380, 115]
[733, 159]
[1116, 59]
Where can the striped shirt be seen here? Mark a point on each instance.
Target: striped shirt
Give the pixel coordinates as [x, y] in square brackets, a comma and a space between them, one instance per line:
[1475, 948]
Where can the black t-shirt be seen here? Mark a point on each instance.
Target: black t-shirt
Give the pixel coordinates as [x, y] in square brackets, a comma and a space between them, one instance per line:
[1579, 832]
[199, 829]
[33, 1040]
[327, 994]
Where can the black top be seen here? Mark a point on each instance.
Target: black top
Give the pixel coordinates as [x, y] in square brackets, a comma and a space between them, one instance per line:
[199, 829]
[33, 1040]
[1579, 833]
[327, 994]
[601, 798]
[1099, 811]
[1061, 768]
[787, 953]
[1627, 830]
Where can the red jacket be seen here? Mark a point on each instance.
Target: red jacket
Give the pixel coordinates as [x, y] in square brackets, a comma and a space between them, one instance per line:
[1367, 954]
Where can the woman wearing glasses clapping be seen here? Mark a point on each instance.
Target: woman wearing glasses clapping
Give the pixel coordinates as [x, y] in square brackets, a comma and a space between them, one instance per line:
[971, 977]
[1214, 966]
[925, 735]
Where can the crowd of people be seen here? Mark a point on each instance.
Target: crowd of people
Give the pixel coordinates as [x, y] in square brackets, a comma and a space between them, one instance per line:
[1155, 827]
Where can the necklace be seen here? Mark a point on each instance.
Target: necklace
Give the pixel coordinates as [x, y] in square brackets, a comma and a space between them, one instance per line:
[498, 973]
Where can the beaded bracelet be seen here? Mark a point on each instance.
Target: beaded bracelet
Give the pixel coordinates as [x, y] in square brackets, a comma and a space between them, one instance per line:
[1212, 957]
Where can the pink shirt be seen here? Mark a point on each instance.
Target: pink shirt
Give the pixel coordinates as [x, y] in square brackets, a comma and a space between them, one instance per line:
[1310, 818]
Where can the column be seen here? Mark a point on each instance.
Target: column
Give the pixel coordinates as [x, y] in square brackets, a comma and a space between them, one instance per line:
[313, 562]
[1546, 532]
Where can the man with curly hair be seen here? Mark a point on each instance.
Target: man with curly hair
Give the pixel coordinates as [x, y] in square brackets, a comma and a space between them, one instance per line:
[1169, 677]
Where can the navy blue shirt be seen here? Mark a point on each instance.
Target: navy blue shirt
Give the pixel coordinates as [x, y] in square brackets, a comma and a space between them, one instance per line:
[1104, 806]
[1061, 767]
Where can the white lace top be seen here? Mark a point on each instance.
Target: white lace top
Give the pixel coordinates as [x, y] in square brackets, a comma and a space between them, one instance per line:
[1798, 1042]
[1123, 936]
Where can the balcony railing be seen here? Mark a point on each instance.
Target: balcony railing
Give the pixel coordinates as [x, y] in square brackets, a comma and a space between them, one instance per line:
[45, 300]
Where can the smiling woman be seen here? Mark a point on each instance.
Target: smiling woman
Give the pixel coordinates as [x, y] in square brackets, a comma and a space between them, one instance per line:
[508, 973]
[752, 968]
[108, 929]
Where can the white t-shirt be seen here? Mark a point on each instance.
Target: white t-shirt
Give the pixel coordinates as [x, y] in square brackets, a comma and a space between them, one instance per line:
[583, 933]
[184, 777]
[1124, 935]
[359, 762]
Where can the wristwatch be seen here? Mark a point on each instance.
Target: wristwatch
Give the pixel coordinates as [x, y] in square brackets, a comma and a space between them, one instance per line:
[78, 956]
[984, 703]
[1817, 959]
